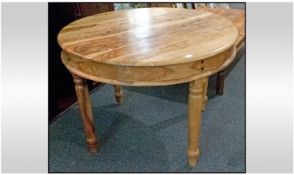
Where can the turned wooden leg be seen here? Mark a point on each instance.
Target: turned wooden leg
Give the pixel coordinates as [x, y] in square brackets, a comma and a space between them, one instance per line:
[205, 99]
[220, 81]
[194, 120]
[86, 111]
[118, 94]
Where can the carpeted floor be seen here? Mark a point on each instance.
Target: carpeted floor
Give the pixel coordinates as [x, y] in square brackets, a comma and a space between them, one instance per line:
[148, 133]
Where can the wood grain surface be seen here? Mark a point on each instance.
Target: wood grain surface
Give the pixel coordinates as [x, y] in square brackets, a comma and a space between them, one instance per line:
[148, 75]
[237, 16]
[149, 47]
[148, 36]
[86, 112]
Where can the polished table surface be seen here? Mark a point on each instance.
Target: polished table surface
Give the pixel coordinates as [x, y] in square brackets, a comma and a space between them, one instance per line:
[149, 47]
[153, 37]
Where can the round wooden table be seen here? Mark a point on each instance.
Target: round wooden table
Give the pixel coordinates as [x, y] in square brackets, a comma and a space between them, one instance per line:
[148, 47]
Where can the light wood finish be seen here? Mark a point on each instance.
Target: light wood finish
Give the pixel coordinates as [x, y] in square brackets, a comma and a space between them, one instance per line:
[151, 47]
[86, 111]
[204, 95]
[118, 93]
[148, 75]
[194, 120]
[148, 37]
[237, 16]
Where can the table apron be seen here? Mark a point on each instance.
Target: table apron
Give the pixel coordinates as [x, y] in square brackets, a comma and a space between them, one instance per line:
[147, 75]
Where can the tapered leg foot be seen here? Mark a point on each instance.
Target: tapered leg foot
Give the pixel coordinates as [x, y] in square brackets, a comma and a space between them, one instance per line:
[93, 146]
[82, 93]
[205, 98]
[220, 81]
[193, 158]
[118, 94]
[194, 120]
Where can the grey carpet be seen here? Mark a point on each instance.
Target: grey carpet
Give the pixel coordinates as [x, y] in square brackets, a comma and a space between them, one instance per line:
[148, 132]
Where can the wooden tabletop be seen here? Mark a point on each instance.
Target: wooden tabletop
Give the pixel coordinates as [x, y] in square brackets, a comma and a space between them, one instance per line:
[148, 36]
[237, 16]
[149, 47]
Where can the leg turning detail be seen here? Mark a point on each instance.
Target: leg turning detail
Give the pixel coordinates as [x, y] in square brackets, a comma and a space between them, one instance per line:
[86, 111]
[194, 120]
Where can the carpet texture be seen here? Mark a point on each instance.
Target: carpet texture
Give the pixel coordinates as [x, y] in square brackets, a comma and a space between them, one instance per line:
[148, 132]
